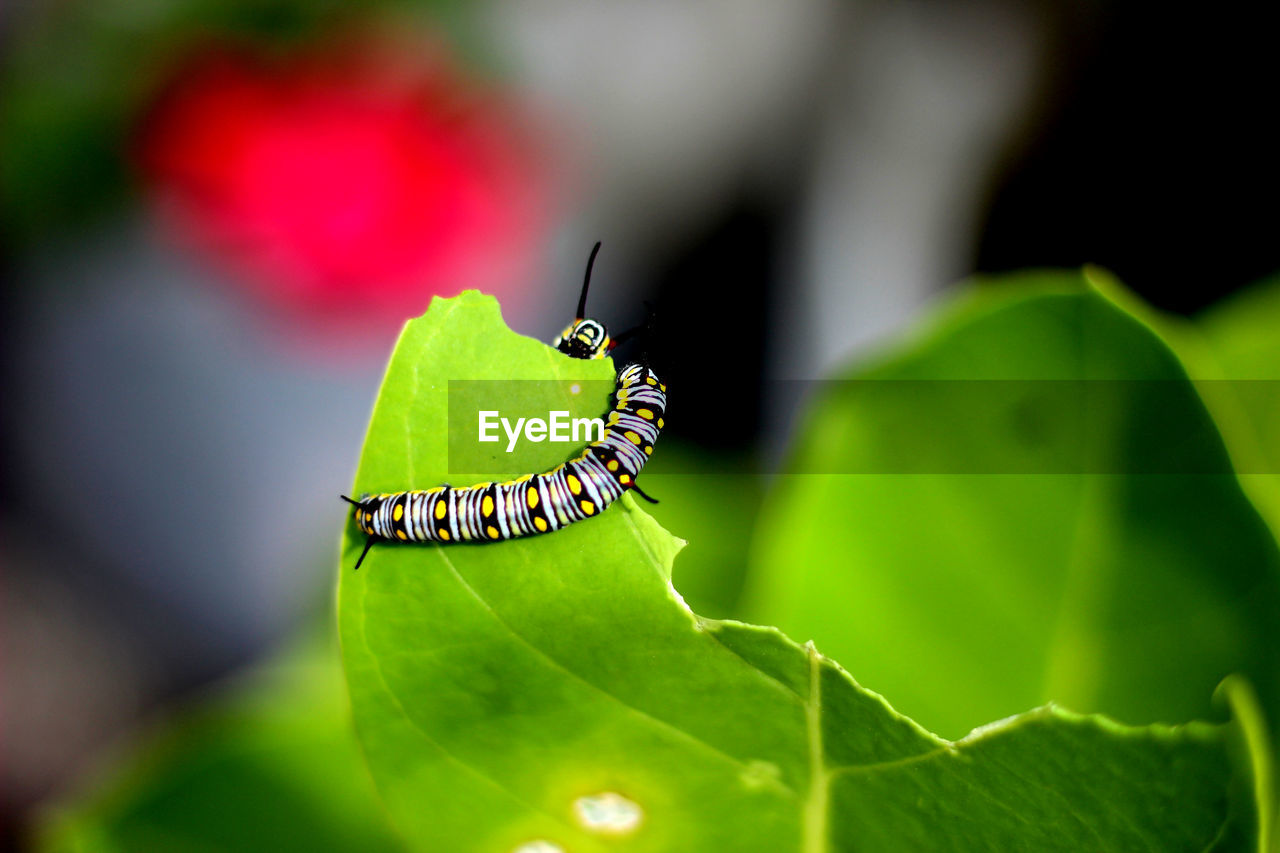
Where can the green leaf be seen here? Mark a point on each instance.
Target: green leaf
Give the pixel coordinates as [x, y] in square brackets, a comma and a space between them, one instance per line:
[518, 692]
[1241, 334]
[973, 570]
[1251, 745]
[1238, 359]
[271, 766]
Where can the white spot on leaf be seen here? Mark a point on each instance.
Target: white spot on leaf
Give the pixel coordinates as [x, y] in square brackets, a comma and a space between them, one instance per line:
[539, 846]
[575, 389]
[760, 774]
[607, 813]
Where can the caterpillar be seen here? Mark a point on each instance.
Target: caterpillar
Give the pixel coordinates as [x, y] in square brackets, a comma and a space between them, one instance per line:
[536, 503]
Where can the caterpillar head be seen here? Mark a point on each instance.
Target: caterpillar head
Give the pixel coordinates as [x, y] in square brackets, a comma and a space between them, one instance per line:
[584, 339]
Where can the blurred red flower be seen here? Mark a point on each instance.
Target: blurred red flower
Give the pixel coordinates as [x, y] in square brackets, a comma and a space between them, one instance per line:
[349, 184]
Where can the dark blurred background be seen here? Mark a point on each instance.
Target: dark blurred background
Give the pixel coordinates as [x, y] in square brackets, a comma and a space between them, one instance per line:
[217, 215]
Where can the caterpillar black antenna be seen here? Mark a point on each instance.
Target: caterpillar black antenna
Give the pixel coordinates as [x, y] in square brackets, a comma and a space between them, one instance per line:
[648, 333]
[635, 488]
[586, 282]
[646, 327]
[624, 337]
[367, 545]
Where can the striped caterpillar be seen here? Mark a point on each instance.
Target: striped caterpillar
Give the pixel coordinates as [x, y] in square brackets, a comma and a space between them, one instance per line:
[536, 503]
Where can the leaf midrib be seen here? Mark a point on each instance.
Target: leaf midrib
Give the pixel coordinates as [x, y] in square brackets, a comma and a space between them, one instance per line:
[816, 802]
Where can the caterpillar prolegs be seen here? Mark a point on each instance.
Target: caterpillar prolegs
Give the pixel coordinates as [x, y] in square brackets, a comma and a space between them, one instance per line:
[536, 503]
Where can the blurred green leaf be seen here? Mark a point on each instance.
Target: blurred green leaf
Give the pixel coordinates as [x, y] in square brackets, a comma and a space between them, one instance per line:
[495, 686]
[1251, 743]
[968, 573]
[272, 766]
[709, 499]
[1241, 333]
[1237, 351]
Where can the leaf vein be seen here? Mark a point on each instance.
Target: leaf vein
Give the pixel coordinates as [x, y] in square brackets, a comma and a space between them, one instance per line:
[404, 712]
[516, 635]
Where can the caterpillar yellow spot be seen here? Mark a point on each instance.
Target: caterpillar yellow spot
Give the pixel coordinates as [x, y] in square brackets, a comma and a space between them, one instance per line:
[662, 387]
[398, 512]
[613, 465]
[574, 485]
[624, 479]
[443, 533]
[613, 417]
[400, 534]
[486, 506]
[650, 380]
[661, 423]
[632, 437]
[541, 524]
[442, 507]
[531, 497]
[647, 414]
[588, 507]
[492, 531]
[648, 450]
